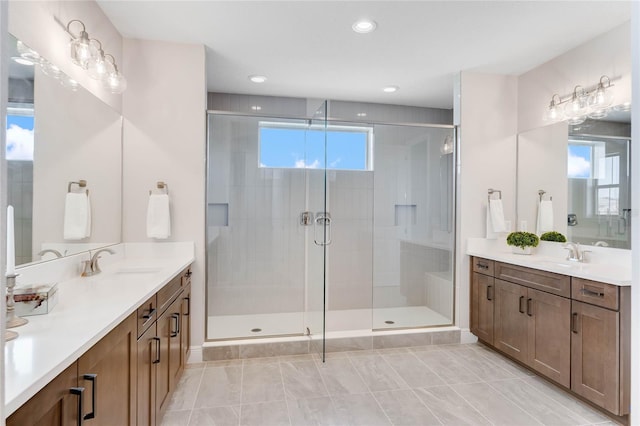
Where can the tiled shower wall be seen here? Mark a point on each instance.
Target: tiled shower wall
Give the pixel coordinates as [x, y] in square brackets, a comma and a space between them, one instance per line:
[20, 196]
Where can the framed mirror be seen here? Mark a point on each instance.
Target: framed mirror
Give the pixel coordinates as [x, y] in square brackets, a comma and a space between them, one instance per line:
[59, 135]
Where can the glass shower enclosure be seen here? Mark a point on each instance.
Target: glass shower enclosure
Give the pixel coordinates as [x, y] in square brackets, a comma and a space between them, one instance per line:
[317, 226]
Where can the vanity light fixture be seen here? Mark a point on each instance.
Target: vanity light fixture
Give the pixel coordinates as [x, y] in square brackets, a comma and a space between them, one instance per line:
[390, 89]
[575, 108]
[364, 26]
[258, 78]
[80, 45]
[88, 54]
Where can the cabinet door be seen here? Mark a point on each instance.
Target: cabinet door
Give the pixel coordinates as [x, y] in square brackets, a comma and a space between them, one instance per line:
[54, 405]
[482, 296]
[148, 349]
[510, 326]
[185, 332]
[595, 355]
[175, 342]
[107, 371]
[162, 367]
[549, 335]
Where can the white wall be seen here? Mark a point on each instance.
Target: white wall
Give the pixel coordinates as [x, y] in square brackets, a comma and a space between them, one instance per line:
[41, 25]
[487, 159]
[607, 54]
[164, 140]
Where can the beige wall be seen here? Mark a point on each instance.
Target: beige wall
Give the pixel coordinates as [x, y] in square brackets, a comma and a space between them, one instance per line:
[608, 54]
[41, 25]
[487, 159]
[164, 140]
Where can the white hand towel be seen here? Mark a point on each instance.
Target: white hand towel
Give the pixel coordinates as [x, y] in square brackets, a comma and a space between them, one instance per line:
[76, 216]
[158, 216]
[545, 217]
[88, 231]
[497, 216]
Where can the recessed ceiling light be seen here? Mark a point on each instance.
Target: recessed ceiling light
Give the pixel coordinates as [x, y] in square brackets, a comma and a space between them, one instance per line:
[258, 78]
[364, 26]
[390, 89]
[361, 114]
[22, 61]
[256, 107]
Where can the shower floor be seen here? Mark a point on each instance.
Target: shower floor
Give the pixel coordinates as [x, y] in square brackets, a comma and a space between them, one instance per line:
[241, 326]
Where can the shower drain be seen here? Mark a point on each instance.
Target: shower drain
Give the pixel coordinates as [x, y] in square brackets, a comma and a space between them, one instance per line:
[256, 330]
[389, 322]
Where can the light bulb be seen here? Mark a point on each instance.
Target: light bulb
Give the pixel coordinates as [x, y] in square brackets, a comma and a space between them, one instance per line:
[115, 82]
[554, 111]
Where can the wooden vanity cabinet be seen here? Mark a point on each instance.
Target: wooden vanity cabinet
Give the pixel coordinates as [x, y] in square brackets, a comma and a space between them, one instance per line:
[571, 330]
[532, 325]
[101, 384]
[54, 405]
[600, 336]
[161, 351]
[482, 299]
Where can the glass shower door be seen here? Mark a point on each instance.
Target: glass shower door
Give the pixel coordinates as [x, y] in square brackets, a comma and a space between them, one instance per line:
[318, 235]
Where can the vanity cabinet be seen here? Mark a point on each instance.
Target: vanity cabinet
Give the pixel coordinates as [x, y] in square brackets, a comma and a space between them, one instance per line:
[56, 404]
[161, 351]
[482, 299]
[571, 330]
[600, 344]
[100, 386]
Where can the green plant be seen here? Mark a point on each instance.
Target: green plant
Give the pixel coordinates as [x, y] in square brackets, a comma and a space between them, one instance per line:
[553, 236]
[522, 239]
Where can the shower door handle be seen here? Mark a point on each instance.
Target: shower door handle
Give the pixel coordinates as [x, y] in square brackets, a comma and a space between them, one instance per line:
[323, 221]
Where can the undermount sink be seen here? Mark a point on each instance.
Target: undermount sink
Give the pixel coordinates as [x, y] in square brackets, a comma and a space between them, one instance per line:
[560, 263]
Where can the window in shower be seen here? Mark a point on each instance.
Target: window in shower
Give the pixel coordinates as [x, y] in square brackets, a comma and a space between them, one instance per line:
[284, 145]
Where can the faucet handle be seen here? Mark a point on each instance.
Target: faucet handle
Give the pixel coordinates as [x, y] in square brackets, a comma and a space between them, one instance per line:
[86, 268]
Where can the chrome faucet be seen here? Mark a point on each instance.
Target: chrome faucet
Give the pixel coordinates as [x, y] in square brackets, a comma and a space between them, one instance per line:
[53, 251]
[91, 267]
[576, 254]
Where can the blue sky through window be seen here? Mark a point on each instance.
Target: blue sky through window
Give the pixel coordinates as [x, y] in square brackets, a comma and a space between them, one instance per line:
[19, 137]
[579, 161]
[301, 147]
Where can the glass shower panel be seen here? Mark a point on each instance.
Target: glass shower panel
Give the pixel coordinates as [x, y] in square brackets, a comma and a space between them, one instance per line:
[256, 244]
[413, 230]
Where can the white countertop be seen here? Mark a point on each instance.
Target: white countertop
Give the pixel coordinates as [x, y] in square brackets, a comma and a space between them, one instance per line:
[87, 310]
[604, 264]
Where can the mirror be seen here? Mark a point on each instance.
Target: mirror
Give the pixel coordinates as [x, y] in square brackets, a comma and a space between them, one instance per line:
[59, 133]
[585, 174]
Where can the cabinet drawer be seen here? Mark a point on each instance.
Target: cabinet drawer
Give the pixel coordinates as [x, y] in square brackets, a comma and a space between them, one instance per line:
[483, 266]
[168, 293]
[595, 293]
[147, 314]
[534, 278]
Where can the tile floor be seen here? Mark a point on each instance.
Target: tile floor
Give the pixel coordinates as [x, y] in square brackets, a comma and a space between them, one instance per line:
[463, 384]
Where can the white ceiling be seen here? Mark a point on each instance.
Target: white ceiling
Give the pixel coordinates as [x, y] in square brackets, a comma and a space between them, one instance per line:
[307, 48]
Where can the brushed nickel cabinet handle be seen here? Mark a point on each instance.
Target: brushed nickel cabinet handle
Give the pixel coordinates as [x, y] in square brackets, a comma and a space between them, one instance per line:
[80, 393]
[529, 307]
[482, 266]
[150, 314]
[520, 309]
[574, 322]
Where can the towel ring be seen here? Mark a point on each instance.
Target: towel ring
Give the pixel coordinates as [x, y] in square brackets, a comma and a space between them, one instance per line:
[492, 191]
[81, 184]
[161, 186]
[541, 193]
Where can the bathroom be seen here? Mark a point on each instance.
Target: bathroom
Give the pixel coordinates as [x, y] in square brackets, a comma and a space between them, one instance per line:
[510, 105]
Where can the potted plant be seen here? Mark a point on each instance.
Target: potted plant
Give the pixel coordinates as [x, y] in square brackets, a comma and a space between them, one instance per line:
[522, 242]
[553, 236]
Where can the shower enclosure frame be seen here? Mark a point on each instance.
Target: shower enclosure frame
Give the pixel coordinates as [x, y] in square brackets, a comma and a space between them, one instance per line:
[328, 121]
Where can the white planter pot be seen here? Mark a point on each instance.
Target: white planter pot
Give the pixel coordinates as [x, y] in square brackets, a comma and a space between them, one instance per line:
[518, 250]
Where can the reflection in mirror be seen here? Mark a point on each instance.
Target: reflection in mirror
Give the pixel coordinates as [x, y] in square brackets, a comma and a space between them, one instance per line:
[599, 197]
[584, 170]
[57, 133]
